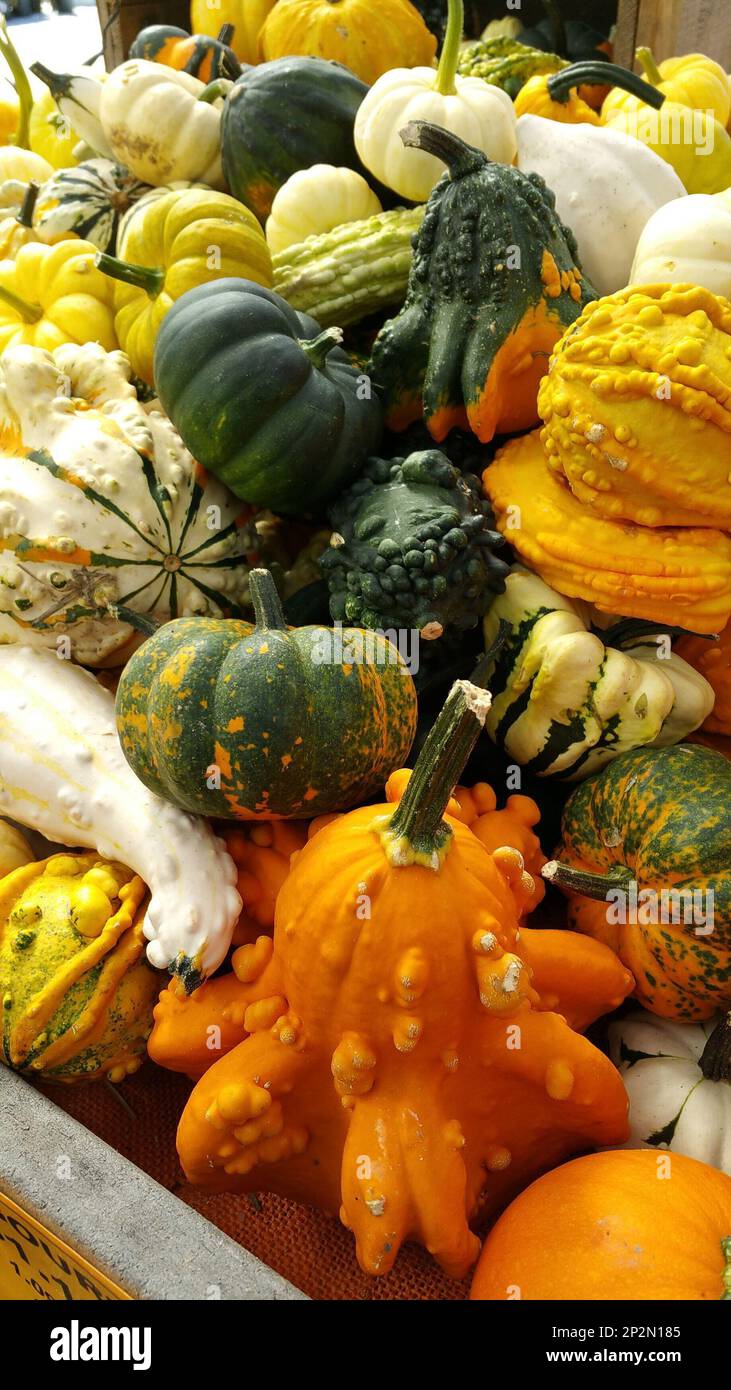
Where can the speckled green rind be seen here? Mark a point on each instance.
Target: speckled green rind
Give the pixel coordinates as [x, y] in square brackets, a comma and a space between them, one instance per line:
[506, 63]
[240, 723]
[666, 814]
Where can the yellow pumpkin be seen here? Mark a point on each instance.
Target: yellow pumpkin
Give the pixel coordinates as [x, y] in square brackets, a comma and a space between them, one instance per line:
[172, 244]
[51, 295]
[23, 165]
[50, 134]
[247, 17]
[348, 32]
[691, 80]
[9, 112]
[16, 229]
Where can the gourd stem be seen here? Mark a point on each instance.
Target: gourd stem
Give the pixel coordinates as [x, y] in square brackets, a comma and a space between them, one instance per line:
[226, 33]
[220, 88]
[649, 67]
[418, 816]
[22, 87]
[560, 84]
[30, 313]
[317, 349]
[715, 1059]
[56, 82]
[25, 216]
[582, 881]
[267, 606]
[726, 1276]
[449, 57]
[143, 277]
[459, 157]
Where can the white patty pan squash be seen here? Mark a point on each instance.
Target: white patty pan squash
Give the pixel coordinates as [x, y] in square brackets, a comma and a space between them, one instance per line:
[678, 1079]
[687, 242]
[63, 773]
[479, 113]
[158, 127]
[607, 187]
[104, 515]
[315, 200]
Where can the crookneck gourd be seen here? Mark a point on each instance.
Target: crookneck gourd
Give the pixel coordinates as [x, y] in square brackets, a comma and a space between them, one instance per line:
[645, 855]
[680, 576]
[77, 991]
[377, 1080]
[413, 547]
[265, 722]
[637, 407]
[106, 521]
[494, 283]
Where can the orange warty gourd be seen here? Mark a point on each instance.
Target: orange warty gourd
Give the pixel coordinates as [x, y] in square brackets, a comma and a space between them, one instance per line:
[378, 1079]
[625, 1225]
[713, 660]
[368, 41]
[262, 854]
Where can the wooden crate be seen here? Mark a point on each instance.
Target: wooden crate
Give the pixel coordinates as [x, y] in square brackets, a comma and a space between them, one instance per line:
[121, 21]
[674, 26]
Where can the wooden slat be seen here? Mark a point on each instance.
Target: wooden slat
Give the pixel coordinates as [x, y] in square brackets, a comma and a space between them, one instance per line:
[124, 21]
[672, 27]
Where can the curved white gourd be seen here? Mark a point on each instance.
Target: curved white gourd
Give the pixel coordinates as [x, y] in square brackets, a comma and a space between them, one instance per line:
[157, 126]
[103, 509]
[63, 773]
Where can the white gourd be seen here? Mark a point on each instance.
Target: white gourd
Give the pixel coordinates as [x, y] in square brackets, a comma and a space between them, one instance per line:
[315, 200]
[62, 772]
[687, 242]
[156, 125]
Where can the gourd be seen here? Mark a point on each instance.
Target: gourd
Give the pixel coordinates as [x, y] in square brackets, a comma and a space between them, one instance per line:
[63, 772]
[505, 62]
[14, 849]
[161, 124]
[679, 576]
[288, 722]
[17, 231]
[173, 244]
[463, 106]
[687, 242]
[635, 407]
[713, 660]
[78, 98]
[315, 200]
[536, 99]
[262, 852]
[280, 414]
[413, 547]
[677, 1077]
[690, 80]
[352, 272]
[50, 295]
[283, 116]
[9, 113]
[630, 1237]
[201, 55]
[345, 31]
[607, 186]
[565, 703]
[23, 165]
[105, 518]
[247, 17]
[399, 1051]
[77, 990]
[658, 818]
[88, 201]
[50, 134]
[470, 344]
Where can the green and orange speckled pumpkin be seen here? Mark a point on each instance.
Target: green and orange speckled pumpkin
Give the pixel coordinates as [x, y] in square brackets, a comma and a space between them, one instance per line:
[77, 991]
[264, 722]
[657, 818]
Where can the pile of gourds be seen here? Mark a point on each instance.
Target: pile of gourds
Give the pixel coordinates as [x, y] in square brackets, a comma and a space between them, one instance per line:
[272, 295]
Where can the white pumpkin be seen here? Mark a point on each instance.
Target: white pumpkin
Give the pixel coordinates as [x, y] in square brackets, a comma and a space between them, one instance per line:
[607, 186]
[687, 242]
[668, 1070]
[104, 515]
[315, 200]
[157, 127]
[63, 773]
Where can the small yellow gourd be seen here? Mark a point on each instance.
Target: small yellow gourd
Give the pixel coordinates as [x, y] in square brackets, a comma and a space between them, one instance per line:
[50, 134]
[50, 295]
[316, 200]
[16, 230]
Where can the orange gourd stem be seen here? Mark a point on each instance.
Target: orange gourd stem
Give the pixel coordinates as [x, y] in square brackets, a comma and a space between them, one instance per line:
[715, 1059]
[560, 84]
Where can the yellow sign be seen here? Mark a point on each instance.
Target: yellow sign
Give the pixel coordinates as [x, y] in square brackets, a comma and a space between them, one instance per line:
[35, 1264]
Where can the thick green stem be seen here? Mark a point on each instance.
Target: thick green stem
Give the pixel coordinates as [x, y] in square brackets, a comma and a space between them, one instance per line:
[460, 158]
[22, 86]
[726, 1276]
[25, 216]
[447, 70]
[143, 277]
[58, 83]
[267, 606]
[318, 349]
[715, 1059]
[220, 88]
[226, 33]
[560, 84]
[30, 313]
[649, 66]
[416, 832]
[590, 885]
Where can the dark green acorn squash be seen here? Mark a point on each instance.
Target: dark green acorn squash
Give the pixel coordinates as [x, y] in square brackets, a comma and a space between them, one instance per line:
[494, 283]
[264, 722]
[202, 56]
[262, 398]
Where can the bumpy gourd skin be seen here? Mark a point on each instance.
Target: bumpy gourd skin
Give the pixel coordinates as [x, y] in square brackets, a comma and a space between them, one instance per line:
[676, 575]
[506, 63]
[713, 660]
[637, 407]
[494, 282]
[414, 548]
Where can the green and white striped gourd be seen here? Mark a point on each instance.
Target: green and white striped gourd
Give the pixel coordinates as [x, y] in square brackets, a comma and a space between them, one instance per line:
[351, 272]
[106, 520]
[89, 200]
[563, 702]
